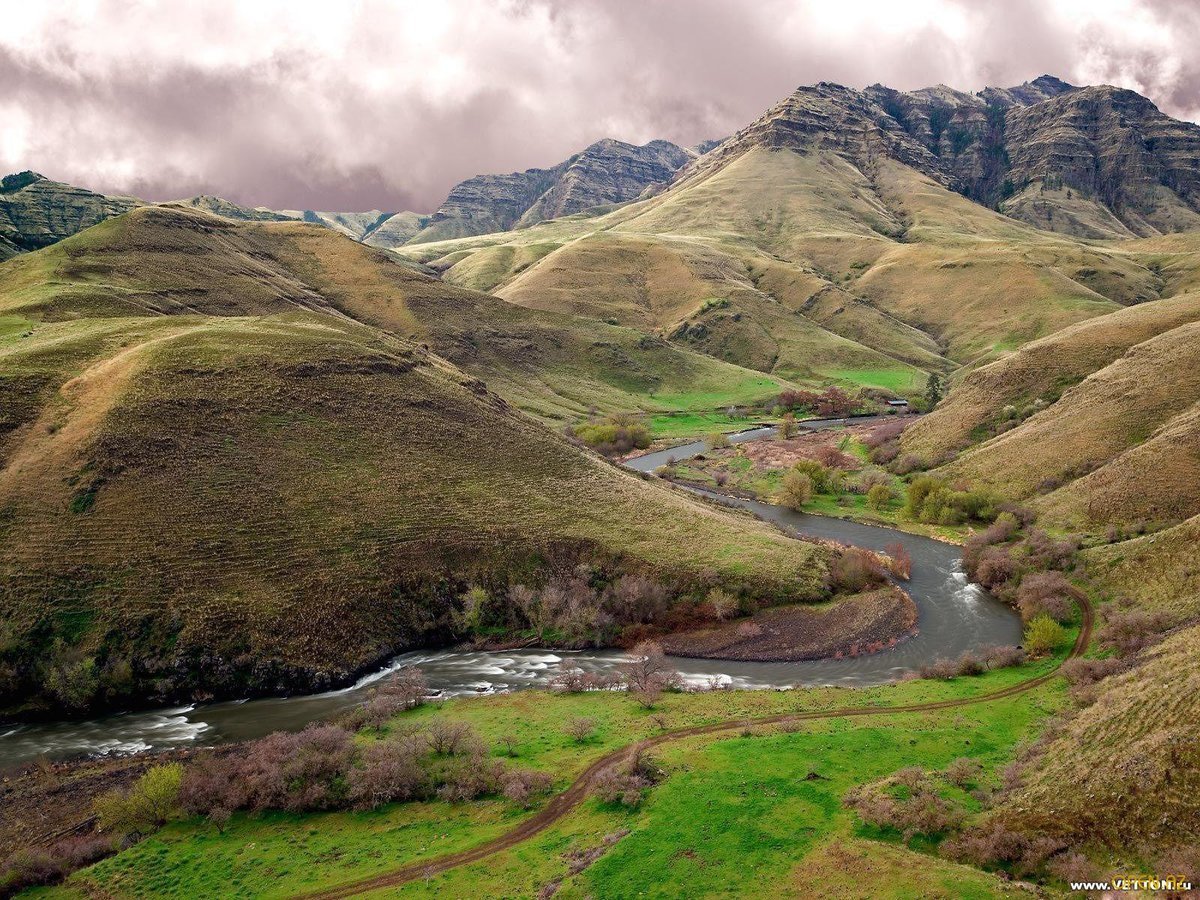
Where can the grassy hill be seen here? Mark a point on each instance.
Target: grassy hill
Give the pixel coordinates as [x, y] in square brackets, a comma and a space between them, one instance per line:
[1123, 774]
[214, 478]
[803, 264]
[172, 261]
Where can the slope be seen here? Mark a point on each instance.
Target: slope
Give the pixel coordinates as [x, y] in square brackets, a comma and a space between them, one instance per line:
[256, 492]
[163, 260]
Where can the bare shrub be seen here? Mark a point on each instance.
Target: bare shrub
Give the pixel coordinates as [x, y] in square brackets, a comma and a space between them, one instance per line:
[450, 738]
[470, 777]
[1086, 672]
[1128, 631]
[581, 729]
[968, 664]
[987, 845]
[888, 431]
[1075, 866]
[390, 771]
[855, 570]
[508, 744]
[570, 680]
[900, 560]
[922, 812]
[1047, 593]
[1003, 657]
[522, 786]
[635, 598]
[963, 771]
[403, 690]
[942, 669]
[627, 781]
[648, 670]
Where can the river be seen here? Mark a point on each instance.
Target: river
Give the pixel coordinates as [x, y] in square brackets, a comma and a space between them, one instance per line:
[953, 616]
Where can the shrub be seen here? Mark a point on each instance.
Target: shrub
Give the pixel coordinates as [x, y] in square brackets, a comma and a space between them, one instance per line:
[30, 868]
[470, 777]
[922, 812]
[823, 479]
[723, 604]
[787, 426]
[1003, 657]
[969, 665]
[581, 729]
[390, 771]
[1129, 631]
[880, 495]
[1046, 593]
[987, 845]
[886, 432]
[900, 560]
[994, 568]
[796, 490]
[1043, 635]
[615, 434]
[717, 441]
[854, 570]
[145, 807]
[963, 771]
[449, 738]
[942, 669]
[626, 782]
[523, 785]
[403, 690]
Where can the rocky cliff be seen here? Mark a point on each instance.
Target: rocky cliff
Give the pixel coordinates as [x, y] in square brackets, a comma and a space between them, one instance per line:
[1096, 162]
[36, 212]
[606, 172]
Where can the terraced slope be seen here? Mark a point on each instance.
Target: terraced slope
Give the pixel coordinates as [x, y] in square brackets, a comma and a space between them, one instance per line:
[164, 260]
[1123, 773]
[1114, 435]
[799, 263]
[213, 479]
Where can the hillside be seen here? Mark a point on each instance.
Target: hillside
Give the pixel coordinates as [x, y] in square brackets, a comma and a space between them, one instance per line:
[607, 172]
[36, 212]
[164, 260]
[1096, 425]
[255, 491]
[1122, 775]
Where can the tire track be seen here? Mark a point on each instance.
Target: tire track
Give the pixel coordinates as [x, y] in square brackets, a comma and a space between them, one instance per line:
[568, 800]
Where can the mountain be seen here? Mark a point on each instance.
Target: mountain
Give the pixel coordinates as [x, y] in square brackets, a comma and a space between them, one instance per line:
[231, 460]
[605, 173]
[36, 212]
[849, 236]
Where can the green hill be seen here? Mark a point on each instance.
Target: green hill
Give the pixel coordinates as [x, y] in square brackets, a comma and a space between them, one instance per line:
[214, 479]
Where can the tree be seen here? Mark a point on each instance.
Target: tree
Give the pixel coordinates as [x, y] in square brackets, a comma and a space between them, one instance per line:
[879, 496]
[146, 806]
[1043, 635]
[933, 390]
[581, 729]
[787, 426]
[797, 489]
[717, 441]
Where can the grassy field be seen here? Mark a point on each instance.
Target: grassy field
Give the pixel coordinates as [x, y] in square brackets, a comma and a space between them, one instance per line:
[735, 812]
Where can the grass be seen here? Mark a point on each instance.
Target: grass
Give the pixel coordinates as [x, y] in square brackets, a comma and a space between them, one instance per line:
[733, 811]
[694, 424]
[258, 456]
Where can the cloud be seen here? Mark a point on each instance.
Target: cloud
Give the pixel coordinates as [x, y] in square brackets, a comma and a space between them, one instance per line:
[387, 104]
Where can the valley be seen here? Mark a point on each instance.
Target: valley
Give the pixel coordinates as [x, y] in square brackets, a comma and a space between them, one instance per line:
[806, 513]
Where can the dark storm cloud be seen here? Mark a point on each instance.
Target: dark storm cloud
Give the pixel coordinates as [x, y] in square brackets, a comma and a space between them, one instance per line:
[386, 105]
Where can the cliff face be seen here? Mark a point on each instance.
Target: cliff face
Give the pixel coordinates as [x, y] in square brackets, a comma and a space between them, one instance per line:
[36, 212]
[1097, 162]
[606, 172]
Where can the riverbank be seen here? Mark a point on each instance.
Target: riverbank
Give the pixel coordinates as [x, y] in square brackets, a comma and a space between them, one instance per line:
[865, 623]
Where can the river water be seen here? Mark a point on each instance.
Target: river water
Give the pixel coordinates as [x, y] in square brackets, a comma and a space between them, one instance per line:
[953, 616]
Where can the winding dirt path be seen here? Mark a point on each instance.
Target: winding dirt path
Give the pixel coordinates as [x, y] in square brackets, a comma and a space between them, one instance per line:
[564, 803]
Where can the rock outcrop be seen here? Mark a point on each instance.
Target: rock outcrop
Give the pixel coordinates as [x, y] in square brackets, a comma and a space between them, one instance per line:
[607, 172]
[36, 212]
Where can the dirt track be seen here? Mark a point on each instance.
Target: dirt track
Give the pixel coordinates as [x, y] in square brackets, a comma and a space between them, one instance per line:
[562, 804]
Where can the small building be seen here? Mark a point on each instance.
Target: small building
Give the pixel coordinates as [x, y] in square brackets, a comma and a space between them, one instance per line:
[898, 403]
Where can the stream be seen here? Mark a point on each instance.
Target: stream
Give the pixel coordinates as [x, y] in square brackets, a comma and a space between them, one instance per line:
[953, 615]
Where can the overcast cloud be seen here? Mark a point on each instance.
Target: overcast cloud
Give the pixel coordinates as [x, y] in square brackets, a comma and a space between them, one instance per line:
[353, 106]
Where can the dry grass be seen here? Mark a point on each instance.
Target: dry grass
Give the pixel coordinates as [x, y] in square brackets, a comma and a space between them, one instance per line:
[1159, 571]
[282, 486]
[1125, 772]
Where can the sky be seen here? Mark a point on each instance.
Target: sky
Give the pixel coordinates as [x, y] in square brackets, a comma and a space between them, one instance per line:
[352, 106]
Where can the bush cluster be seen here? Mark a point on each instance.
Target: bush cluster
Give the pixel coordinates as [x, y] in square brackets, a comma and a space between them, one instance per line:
[613, 435]
[933, 501]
